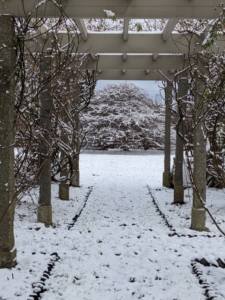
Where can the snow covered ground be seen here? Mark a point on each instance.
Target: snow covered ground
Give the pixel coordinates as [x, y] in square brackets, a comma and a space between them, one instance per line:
[119, 248]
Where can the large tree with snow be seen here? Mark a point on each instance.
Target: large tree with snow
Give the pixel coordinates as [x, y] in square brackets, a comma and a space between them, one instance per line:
[124, 116]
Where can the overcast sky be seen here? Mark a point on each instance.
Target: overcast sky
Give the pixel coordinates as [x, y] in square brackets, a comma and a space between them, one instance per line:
[151, 87]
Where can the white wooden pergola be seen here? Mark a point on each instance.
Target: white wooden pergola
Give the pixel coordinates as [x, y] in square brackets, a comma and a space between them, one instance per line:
[122, 56]
[126, 55]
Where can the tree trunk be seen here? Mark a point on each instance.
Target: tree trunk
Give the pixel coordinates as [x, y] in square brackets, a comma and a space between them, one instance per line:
[168, 99]
[198, 216]
[7, 101]
[45, 208]
[178, 176]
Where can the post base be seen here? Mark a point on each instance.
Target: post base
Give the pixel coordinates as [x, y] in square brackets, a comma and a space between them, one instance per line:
[75, 181]
[7, 259]
[167, 179]
[64, 191]
[45, 215]
[198, 219]
[178, 195]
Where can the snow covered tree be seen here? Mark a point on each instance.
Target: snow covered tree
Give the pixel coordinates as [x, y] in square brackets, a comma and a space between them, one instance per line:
[123, 116]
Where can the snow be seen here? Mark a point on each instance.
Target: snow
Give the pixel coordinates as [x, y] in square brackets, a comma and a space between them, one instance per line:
[109, 13]
[120, 247]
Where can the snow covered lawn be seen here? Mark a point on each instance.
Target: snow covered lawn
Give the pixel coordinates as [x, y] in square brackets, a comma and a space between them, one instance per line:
[119, 248]
[178, 216]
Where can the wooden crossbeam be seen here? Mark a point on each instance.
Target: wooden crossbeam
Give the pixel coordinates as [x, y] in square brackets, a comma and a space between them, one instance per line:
[137, 62]
[142, 43]
[137, 9]
[134, 75]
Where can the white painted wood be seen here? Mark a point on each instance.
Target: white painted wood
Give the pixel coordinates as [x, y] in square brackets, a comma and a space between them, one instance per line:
[124, 56]
[136, 62]
[138, 43]
[42, 30]
[82, 28]
[133, 75]
[170, 25]
[137, 9]
[94, 57]
[155, 56]
[125, 29]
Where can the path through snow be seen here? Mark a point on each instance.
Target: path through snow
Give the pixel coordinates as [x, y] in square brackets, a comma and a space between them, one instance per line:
[119, 248]
[122, 249]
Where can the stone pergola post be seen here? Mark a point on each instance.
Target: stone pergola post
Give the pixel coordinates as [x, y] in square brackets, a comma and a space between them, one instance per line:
[178, 176]
[64, 191]
[198, 215]
[168, 100]
[7, 101]
[45, 207]
[75, 181]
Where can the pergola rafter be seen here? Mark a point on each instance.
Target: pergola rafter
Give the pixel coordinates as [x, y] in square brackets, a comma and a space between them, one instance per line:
[170, 25]
[82, 28]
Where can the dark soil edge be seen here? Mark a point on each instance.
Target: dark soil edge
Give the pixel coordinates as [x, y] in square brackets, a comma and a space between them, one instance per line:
[203, 281]
[162, 214]
[39, 287]
[174, 233]
[75, 218]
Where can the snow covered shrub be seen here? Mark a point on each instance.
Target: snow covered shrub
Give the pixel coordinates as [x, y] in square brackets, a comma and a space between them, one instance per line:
[123, 116]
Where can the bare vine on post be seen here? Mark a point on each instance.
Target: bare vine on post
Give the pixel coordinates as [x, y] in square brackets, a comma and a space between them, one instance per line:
[71, 89]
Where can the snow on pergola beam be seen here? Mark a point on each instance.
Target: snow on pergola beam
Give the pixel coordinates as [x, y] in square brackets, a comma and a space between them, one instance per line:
[137, 9]
[134, 75]
[137, 62]
[142, 43]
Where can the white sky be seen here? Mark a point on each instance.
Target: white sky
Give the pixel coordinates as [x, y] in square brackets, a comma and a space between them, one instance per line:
[151, 87]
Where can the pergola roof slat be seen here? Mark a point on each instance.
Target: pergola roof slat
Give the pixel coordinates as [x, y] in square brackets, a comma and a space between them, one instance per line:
[170, 25]
[125, 29]
[82, 28]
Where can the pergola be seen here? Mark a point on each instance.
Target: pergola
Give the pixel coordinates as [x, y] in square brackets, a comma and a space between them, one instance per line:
[123, 56]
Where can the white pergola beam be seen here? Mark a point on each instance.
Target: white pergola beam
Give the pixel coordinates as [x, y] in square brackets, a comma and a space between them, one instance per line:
[141, 43]
[137, 62]
[42, 30]
[82, 28]
[125, 29]
[124, 56]
[170, 25]
[155, 56]
[137, 9]
[134, 75]
[94, 56]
